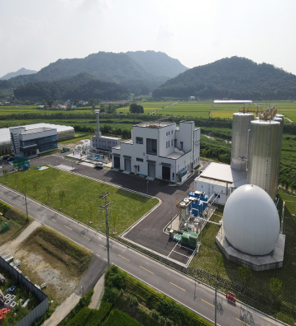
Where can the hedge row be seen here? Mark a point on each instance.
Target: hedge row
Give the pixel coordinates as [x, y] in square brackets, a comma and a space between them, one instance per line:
[154, 300]
[119, 318]
[98, 316]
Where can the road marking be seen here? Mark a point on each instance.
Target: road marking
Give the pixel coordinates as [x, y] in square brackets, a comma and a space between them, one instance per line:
[147, 270]
[208, 303]
[52, 219]
[178, 287]
[242, 321]
[68, 227]
[123, 257]
[85, 237]
[98, 255]
[103, 246]
[105, 259]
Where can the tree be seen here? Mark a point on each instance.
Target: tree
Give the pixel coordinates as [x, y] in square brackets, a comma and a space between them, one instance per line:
[49, 102]
[62, 195]
[245, 274]
[91, 102]
[135, 108]
[48, 190]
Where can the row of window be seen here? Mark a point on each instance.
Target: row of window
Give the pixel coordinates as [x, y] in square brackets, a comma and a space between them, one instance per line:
[168, 133]
[48, 147]
[169, 143]
[42, 140]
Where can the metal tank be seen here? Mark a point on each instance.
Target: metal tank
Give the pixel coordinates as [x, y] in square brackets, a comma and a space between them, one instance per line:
[264, 150]
[240, 140]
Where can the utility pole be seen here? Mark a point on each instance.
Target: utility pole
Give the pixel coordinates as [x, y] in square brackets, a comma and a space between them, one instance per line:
[107, 226]
[216, 284]
[26, 206]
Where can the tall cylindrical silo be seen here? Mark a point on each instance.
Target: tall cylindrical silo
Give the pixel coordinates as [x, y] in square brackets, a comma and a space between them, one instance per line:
[240, 135]
[263, 169]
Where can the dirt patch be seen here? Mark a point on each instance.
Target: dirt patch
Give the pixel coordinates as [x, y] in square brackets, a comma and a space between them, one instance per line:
[35, 266]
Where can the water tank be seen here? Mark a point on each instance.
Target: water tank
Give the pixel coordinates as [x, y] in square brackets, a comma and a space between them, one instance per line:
[250, 221]
[239, 145]
[264, 150]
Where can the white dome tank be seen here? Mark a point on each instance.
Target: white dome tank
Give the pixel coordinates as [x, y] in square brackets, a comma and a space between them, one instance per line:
[250, 221]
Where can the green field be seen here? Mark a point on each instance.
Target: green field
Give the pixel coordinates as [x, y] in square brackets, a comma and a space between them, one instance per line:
[82, 198]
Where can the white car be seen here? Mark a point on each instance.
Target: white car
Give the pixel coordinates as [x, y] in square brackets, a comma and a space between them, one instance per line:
[99, 165]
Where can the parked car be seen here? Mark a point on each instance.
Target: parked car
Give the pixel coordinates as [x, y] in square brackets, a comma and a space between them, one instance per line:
[99, 165]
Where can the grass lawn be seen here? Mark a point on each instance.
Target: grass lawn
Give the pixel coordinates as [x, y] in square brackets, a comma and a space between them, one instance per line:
[82, 198]
[258, 294]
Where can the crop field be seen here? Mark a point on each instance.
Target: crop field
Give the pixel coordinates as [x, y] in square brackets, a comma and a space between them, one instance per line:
[82, 197]
[149, 107]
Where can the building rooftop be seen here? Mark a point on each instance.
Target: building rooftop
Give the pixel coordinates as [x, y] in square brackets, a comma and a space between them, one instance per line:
[154, 124]
[110, 138]
[36, 130]
[223, 172]
[232, 101]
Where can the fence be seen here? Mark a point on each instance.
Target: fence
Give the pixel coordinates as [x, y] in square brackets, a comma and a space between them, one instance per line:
[38, 311]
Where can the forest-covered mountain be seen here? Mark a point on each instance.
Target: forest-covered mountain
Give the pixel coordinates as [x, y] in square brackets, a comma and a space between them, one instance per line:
[81, 87]
[138, 71]
[237, 78]
[22, 71]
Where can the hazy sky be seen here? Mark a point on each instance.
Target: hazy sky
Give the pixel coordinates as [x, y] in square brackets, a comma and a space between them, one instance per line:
[34, 33]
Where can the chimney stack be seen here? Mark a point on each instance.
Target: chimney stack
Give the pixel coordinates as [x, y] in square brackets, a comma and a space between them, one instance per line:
[98, 124]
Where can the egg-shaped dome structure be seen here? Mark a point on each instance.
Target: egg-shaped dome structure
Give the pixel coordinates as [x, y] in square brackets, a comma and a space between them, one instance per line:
[250, 221]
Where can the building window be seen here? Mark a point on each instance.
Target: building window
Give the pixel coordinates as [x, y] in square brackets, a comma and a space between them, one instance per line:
[151, 146]
[172, 142]
[139, 159]
[139, 140]
[172, 131]
[181, 145]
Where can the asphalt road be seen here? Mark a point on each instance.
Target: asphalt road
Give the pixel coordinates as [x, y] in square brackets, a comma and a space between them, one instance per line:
[194, 295]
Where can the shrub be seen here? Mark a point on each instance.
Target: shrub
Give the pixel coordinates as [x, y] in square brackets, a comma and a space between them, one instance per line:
[134, 302]
[96, 317]
[110, 295]
[168, 322]
[119, 318]
[80, 318]
[155, 314]
[162, 320]
[149, 301]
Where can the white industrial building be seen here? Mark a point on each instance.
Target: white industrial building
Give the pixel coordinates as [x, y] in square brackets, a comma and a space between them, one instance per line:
[103, 143]
[255, 156]
[63, 133]
[32, 142]
[160, 150]
[219, 179]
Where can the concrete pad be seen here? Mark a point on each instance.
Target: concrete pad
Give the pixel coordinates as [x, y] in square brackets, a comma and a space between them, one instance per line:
[10, 247]
[257, 263]
[98, 294]
[62, 311]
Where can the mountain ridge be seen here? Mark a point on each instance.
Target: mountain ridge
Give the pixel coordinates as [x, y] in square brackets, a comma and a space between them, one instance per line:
[233, 77]
[20, 72]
